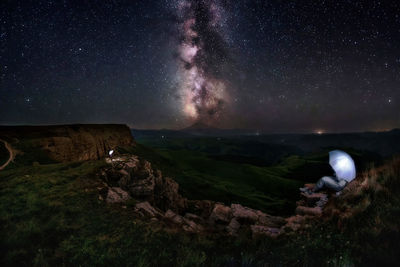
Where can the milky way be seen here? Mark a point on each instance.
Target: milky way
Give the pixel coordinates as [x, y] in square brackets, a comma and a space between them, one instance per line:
[272, 66]
[202, 56]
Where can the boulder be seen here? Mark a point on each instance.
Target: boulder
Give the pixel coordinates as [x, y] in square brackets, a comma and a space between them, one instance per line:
[131, 165]
[142, 170]
[187, 225]
[244, 214]
[221, 214]
[194, 217]
[146, 209]
[116, 195]
[166, 195]
[233, 227]
[313, 211]
[202, 208]
[175, 218]
[143, 188]
[270, 221]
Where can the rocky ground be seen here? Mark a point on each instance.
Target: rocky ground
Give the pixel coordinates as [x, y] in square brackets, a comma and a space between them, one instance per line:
[157, 199]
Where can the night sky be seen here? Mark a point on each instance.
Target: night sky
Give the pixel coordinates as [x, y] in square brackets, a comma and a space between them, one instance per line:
[273, 66]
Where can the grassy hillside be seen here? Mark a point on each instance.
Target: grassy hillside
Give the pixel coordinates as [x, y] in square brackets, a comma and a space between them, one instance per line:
[50, 215]
[202, 177]
[259, 175]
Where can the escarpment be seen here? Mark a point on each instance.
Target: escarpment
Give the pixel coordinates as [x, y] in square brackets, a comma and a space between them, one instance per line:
[64, 143]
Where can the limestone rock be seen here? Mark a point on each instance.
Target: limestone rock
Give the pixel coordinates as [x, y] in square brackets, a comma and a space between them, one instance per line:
[143, 189]
[147, 209]
[233, 227]
[314, 211]
[66, 143]
[116, 195]
[194, 217]
[191, 226]
[175, 218]
[187, 225]
[202, 208]
[143, 183]
[167, 195]
[244, 214]
[221, 214]
[269, 220]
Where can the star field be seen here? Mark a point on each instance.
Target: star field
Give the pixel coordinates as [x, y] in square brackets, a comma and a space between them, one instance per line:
[288, 66]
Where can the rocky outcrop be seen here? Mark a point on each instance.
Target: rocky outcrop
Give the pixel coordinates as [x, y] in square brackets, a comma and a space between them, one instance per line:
[221, 214]
[244, 214]
[143, 183]
[64, 143]
[145, 209]
[233, 227]
[128, 176]
[167, 194]
[310, 207]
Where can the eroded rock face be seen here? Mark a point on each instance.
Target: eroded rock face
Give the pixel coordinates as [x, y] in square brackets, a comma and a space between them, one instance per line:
[270, 221]
[128, 176]
[143, 182]
[186, 224]
[233, 227]
[221, 214]
[167, 194]
[146, 209]
[244, 214]
[202, 208]
[65, 143]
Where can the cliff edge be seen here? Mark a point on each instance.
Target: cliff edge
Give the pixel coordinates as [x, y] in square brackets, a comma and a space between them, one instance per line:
[64, 143]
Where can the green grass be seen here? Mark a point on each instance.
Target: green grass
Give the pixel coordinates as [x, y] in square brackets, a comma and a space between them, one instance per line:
[257, 174]
[375, 222]
[50, 215]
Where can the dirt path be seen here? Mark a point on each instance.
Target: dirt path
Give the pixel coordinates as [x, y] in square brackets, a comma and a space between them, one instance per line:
[11, 158]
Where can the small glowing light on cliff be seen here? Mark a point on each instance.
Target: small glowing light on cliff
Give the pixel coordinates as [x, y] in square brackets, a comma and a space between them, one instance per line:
[110, 152]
